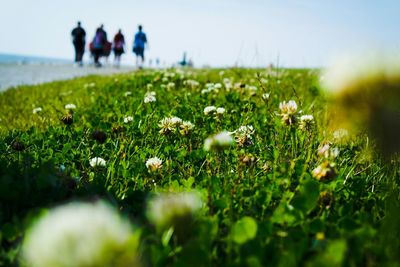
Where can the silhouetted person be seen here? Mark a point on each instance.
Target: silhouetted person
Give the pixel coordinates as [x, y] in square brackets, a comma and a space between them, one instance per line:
[138, 46]
[183, 63]
[118, 44]
[78, 39]
[98, 45]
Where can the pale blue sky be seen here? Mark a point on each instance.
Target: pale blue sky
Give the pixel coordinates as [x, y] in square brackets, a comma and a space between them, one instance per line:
[301, 33]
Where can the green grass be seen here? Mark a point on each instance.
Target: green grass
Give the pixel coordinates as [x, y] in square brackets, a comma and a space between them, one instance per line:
[262, 205]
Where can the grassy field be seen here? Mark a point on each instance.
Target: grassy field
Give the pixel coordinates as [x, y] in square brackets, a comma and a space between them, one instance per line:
[276, 187]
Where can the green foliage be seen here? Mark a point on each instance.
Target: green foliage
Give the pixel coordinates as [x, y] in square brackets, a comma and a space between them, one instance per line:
[262, 205]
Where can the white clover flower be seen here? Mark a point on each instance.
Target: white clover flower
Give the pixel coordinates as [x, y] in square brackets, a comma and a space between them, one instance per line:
[169, 124]
[209, 109]
[191, 84]
[149, 86]
[127, 93]
[37, 110]
[217, 86]
[265, 96]
[80, 235]
[176, 121]
[171, 209]
[220, 111]
[128, 119]
[96, 161]
[70, 106]
[218, 142]
[244, 135]
[288, 108]
[170, 86]
[325, 171]
[306, 122]
[154, 164]
[149, 99]
[186, 127]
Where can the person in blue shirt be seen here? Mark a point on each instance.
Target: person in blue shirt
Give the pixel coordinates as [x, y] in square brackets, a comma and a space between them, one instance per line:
[139, 44]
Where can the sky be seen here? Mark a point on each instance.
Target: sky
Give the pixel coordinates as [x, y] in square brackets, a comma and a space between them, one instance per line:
[217, 33]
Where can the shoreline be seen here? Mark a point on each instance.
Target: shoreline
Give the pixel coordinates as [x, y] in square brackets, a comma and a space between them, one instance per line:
[17, 74]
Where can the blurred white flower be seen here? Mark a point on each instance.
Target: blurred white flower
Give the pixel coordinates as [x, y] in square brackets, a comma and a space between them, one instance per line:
[70, 106]
[170, 86]
[96, 161]
[37, 110]
[128, 119]
[169, 124]
[265, 96]
[154, 164]
[219, 141]
[149, 99]
[171, 209]
[209, 110]
[80, 235]
[220, 111]
[176, 121]
[127, 93]
[340, 134]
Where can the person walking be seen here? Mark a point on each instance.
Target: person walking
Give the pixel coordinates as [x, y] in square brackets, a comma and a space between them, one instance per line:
[78, 35]
[98, 45]
[139, 44]
[118, 47]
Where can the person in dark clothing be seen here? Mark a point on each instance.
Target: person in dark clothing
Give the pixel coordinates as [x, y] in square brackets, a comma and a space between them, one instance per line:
[78, 39]
[118, 47]
[138, 46]
[98, 45]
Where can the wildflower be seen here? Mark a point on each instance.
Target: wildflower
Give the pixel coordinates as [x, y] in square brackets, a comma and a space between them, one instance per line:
[244, 135]
[265, 96]
[170, 86]
[220, 111]
[128, 119]
[176, 121]
[97, 162]
[149, 86]
[186, 127]
[80, 235]
[218, 142]
[288, 111]
[149, 99]
[328, 152]
[325, 171]
[166, 125]
[127, 93]
[209, 110]
[248, 160]
[70, 106]
[154, 164]
[171, 209]
[306, 122]
[325, 199]
[340, 135]
[37, 110]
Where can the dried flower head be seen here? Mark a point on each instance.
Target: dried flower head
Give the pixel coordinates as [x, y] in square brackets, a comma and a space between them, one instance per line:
[67, 119]
[99, 136]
